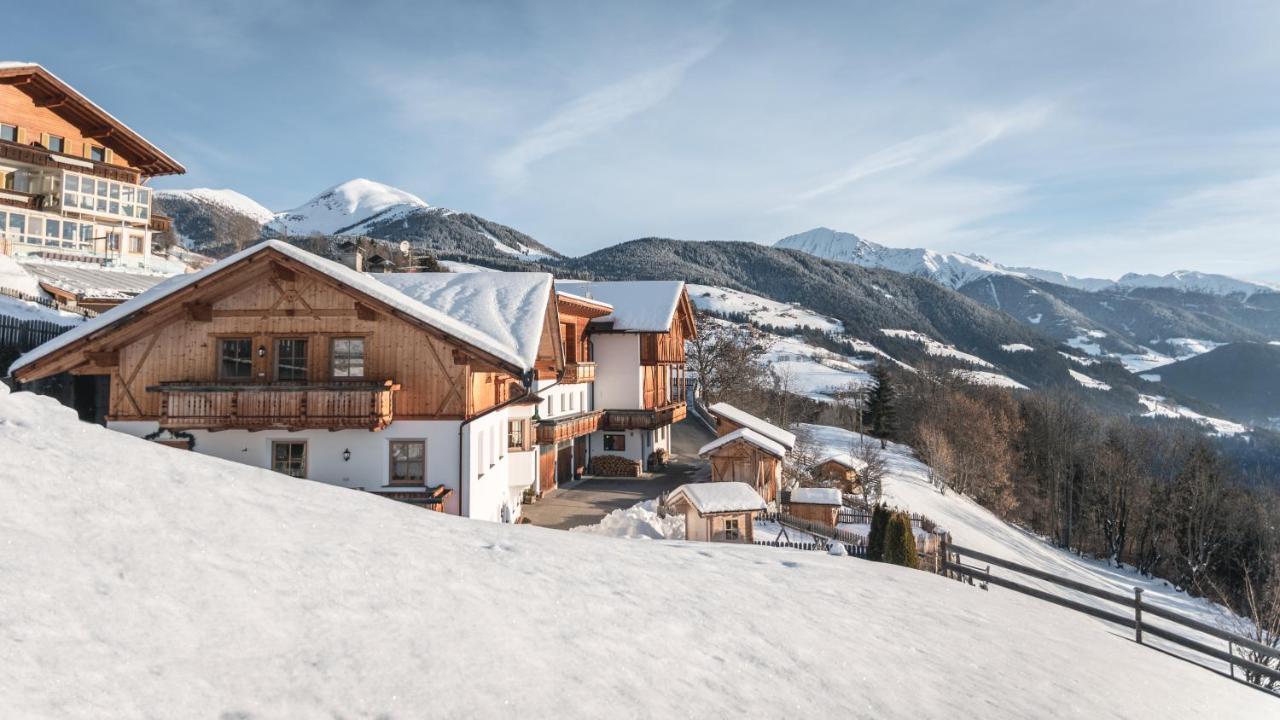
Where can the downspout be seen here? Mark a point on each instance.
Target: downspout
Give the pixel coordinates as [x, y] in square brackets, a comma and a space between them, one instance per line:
[527, 381]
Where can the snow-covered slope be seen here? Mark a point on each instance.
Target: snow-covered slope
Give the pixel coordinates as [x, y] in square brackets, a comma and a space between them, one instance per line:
[152, 582]
[760, 310]
[1190, 280]
[224, 198]
[950, 269]
[346, 205]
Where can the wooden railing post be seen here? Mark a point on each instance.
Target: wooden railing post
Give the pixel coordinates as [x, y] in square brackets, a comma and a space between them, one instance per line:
[1137, 613]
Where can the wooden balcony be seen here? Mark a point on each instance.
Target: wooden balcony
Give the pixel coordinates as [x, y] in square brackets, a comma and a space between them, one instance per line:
[335, 406]
[159, 223]
[649, 419]
[567, 428]
[13, 198]
[579, 372]
[32, 155]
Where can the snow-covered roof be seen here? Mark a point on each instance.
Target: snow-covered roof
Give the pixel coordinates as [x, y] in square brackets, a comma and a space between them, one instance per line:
[508, 345]
[715, 497]
[509, 307]
[746, 435]
[580, 298]
[747, 420]
[638, 305]
[816, 496]
[94, 282]
[843, 459]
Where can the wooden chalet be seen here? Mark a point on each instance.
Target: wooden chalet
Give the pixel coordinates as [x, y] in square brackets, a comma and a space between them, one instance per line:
[748, 449]
[839, 470]
[819, 504]
[72, 176]
[717, 512]
[279, 358]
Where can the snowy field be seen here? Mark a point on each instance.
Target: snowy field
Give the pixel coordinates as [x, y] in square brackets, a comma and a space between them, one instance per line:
[1158, 406]
[142, 581]
[815, 372]
[938, 349]
[761, 310]
[983, 377]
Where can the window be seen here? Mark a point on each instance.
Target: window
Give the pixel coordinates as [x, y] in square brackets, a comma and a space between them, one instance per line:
[8, 132]
[732, 529]
[57, 144]
[135, 244]
[291, 359]
[615, 443]
[97, 154]
[235, 358]
[515, 434]
[347, 358]
[289, 457]
[408, 459]
[562, 404]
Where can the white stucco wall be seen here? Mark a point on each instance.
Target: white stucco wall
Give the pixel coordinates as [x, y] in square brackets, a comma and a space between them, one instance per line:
[487, 478]
[619, 381]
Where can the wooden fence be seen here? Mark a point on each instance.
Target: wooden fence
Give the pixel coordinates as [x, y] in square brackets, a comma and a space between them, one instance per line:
[23, 335]
[46, 302]
[1256, 667]
[850, 550]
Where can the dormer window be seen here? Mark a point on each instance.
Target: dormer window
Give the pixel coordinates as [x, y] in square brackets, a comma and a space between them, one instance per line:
[57, 144]
[97, 154]
[9, 132]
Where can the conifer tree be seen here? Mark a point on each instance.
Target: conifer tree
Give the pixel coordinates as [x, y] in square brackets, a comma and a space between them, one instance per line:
[882, 420]
[875, 537]
[900, 542]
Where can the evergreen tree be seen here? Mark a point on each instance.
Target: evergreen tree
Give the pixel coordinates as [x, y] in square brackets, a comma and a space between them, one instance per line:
[875, 537]
[882, 419]
[900, 542]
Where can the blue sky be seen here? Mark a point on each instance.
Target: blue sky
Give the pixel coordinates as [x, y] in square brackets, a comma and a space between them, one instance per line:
[1092, 138]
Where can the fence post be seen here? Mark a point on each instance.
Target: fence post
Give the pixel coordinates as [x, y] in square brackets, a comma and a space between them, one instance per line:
[1137, 613]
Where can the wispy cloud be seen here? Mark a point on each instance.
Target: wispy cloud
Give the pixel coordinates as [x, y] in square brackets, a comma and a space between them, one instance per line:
[594, 113]
[930, 152]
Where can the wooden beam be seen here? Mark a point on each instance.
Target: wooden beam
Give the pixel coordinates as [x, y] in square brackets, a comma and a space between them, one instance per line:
[199, 311]
[280, 272]
[364, 312]
[99, 133]
[104, 358]
[51, 101]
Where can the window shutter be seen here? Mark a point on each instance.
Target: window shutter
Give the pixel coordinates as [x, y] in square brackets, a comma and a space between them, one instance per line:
[85, 148]
[107, 155]
[44, 140]
[22, 136]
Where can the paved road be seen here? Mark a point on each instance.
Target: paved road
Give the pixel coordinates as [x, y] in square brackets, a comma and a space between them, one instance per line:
[593, 498]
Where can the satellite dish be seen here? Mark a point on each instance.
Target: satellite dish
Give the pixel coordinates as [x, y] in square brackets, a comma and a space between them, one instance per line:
[404, 247]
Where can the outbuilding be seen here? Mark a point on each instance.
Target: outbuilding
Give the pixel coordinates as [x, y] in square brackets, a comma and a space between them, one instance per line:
[840, 470]
[746, 456]
[717, 511]
[820, 505]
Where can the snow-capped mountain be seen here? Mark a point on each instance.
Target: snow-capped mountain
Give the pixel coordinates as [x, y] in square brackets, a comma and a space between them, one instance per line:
[950, 269]
[1192, 281]
[221, 221]
[346, 206]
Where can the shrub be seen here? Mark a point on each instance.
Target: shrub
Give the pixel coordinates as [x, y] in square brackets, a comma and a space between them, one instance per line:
[875, 537]
[900, 542]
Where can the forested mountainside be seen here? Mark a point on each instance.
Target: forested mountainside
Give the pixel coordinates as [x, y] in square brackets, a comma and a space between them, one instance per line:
[1239, 379]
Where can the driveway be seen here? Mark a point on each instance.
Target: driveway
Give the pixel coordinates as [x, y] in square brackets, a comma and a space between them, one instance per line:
[591, 499]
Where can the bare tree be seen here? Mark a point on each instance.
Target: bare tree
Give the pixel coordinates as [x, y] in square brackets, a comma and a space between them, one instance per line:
[872, 471]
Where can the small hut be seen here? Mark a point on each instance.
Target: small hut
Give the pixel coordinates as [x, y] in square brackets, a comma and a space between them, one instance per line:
[746, 456]
[840, 470]
[717, 511]
[821, 505]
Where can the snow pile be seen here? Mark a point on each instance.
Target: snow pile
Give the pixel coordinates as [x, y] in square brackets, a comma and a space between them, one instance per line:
[171, 584]
[1087, 381]
[761, 310]
[223, 198]
[982, 377]
[939, 349]
[1158, 406]
[15, 277]
[638, 521]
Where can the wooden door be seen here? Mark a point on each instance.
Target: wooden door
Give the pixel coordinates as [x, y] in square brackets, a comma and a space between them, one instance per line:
[546, 468]
[580, 455]
[564, 464]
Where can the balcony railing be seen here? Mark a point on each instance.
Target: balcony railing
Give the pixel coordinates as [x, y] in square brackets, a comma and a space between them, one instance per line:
[26, 201]
[31, 155]
[567, 428]
[649, 419]
[336, 406]
[579, 372]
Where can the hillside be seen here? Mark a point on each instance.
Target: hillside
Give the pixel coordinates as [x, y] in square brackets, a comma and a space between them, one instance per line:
[1239, 379]
[277, 597]
[218, 222]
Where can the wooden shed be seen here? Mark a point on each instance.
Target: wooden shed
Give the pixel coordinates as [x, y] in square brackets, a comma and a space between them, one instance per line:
[820, 505]
[840, 470]
[746, 456]
[717, 511]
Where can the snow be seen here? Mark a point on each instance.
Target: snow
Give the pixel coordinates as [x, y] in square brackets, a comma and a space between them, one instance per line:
[980, 377]
[15, 277]
[1086, 361]
[1035, 319]
[907, 486]
[1190, 347]
[1192, 281]
[1083, 344]
[509, 307]
[638, 305]
[343, 206]
[761, 310]
[771, 530]
[815, 372]
[816, 496]
[844, 459]
[1017, 348]
[717, 497]
[505, 344]
[171, 584]
[1087, 381]
[224, 198]
[746, 435]
[745, 419]
[1158, 406]
[950, 269]
[640, 521]
[1150, 377]
[94, 281]
[938, 349]
[461, 267]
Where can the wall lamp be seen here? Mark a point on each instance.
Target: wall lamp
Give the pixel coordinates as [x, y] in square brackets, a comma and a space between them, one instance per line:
[346, 455]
